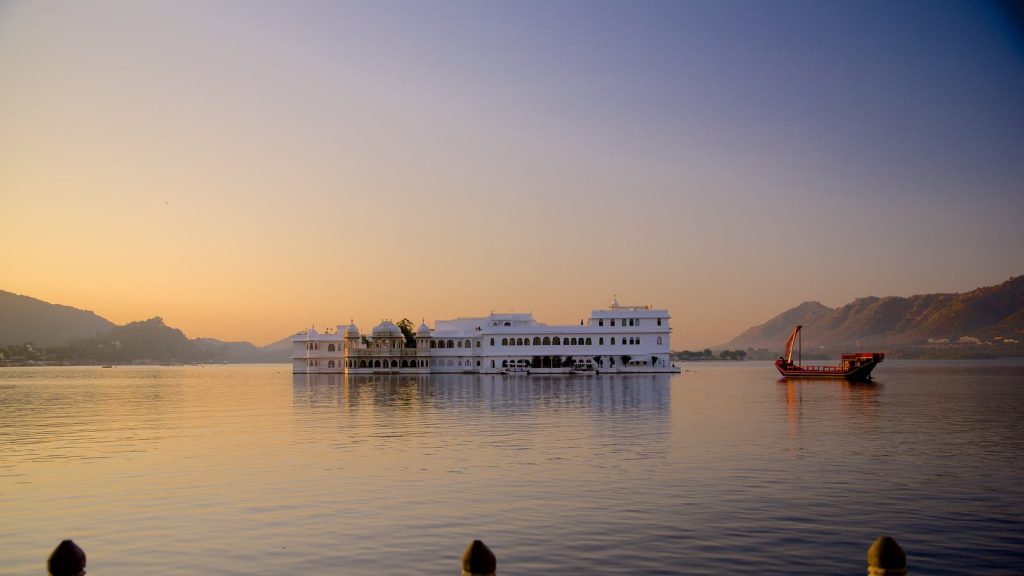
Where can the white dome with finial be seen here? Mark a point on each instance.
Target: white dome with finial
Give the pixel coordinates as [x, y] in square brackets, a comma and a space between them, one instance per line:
[352, 331]
[423, 330]
[387, 329]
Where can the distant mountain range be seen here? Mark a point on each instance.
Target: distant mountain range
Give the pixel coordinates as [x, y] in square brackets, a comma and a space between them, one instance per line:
[64, 334]
[983, 322]
[986, 319]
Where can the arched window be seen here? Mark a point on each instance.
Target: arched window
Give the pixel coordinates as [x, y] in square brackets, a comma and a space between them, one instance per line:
[613, 321]
[362, 363]
[600, 341]
[659, 321]
[638, 341]
[492, 341]
[468, 344]
[630, 321]
[433, 344]
[504, 363]
[573, 342]
[659, 340]
[460, 343]
[613, 340]
[330, 364]
[547, 341]
[504, 341]
[394, 363]
[536, 340]
[600, 322]
[451, 344]
[330, 347]
[508, 323]
[556, 341]
[376, 363]
[519, 341]
[589, 342]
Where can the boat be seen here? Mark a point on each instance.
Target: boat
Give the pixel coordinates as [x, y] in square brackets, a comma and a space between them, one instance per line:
[855, 366]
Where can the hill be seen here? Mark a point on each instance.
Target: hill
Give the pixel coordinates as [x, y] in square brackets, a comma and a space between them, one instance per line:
[32, 330]
[989, 318]
[24, 319]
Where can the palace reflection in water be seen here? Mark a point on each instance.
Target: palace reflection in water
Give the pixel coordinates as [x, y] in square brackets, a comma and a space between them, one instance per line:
[606, 393]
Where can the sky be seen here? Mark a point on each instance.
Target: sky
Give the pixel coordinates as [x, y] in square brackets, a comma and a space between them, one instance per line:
[248, 169]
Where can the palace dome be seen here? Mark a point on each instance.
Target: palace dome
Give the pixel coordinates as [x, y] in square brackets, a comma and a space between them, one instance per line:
[387, 329]
[352, 331]
[423, 330]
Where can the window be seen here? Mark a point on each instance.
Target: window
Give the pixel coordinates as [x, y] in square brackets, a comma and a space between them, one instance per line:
[613, 321]
[556, 341]
[508, 323]
[547, 341]
[572, 342]
[468, 344]
[600, 341]
[600, 322]
[477, 343]
[659, 340]
[519, 341]
[536, 340]
[589, 342]
[451, 344]
[613, 340]
[330, 348]
[659, 323]
[492, 341]
[504, 341]
[460, 343]
[433, 344]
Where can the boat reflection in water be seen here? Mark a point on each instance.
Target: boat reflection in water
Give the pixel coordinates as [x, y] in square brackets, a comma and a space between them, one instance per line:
[855, 366]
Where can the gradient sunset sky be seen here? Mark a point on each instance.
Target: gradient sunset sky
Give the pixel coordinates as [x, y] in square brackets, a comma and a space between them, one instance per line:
[248, 169]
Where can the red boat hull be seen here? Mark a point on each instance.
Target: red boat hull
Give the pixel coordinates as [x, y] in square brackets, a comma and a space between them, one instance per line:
[860, 370]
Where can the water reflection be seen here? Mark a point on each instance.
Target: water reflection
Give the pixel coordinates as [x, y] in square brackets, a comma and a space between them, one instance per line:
[808, 402]
[600, 394]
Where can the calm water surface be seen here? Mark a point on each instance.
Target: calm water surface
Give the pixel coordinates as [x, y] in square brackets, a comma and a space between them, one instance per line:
[721, 469]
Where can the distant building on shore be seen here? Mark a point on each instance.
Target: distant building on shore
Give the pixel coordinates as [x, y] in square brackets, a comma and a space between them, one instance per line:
[616, 339]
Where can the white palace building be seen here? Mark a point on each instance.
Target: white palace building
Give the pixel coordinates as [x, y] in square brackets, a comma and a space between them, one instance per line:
[617, 339]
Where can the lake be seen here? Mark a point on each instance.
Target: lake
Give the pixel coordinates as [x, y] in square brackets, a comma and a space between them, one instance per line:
[720, 469]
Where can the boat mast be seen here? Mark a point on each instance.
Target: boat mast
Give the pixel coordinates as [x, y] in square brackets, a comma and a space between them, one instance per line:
[800, 349]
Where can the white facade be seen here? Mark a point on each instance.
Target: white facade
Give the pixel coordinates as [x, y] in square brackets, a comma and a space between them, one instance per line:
[616, 339]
